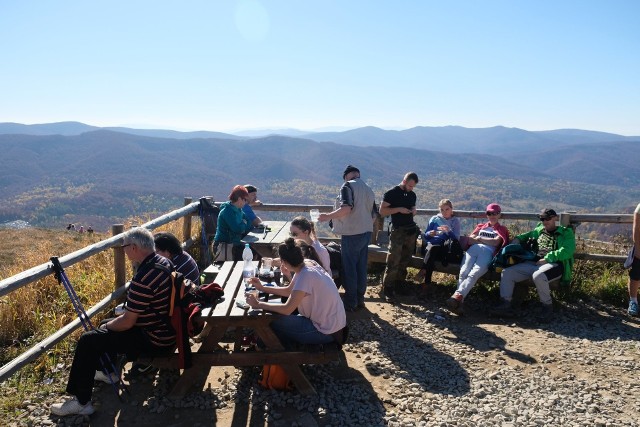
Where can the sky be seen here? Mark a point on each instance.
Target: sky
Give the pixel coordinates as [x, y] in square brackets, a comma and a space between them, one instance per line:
[225, 65]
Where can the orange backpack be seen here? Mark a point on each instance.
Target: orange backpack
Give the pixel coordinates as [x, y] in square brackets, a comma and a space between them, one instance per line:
[274, 377]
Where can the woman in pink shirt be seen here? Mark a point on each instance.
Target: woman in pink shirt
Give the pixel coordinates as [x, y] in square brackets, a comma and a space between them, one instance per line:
[485, 241]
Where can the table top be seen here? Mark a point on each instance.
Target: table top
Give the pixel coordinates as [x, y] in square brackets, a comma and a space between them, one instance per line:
[276, 233]
[230, 279]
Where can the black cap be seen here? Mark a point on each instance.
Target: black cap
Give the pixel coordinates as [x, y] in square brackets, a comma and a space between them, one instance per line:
[350, 168]
[547, 213]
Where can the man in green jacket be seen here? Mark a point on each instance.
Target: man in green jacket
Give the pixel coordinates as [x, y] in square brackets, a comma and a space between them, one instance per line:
[556, 246]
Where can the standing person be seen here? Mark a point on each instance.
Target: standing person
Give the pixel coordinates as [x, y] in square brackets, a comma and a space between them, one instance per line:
[303, 229]
[441, 227]
[141, 329]
[485, 240]
[400, 203]
[352, 218]
[253, 219]
[556, 246]
[169, 247]
[233, 225]
[634, 273]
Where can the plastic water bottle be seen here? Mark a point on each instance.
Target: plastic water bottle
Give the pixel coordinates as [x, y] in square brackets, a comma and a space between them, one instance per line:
[248, 270]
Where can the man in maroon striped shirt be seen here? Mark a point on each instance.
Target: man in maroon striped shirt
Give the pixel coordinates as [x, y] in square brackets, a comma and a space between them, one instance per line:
[143, 328]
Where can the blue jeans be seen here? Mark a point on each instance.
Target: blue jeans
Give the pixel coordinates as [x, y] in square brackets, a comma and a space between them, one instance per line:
[355, 252]
[293, 329]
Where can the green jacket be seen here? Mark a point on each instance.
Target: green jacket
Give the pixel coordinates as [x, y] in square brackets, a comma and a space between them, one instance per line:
[564, 249]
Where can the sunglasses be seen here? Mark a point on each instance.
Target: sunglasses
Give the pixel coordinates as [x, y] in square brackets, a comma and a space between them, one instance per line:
[124, 246]
[492, 213]
[293, 234]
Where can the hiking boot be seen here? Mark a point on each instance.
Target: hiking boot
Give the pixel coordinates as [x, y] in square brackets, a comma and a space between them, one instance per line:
[101, 376]
[421, 275]
[503, 309]
[72, 407]
[455, 303]
[545, 315]
[633, 309]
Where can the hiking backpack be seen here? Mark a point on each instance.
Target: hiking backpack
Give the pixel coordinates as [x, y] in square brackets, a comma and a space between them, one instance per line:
[185, 305]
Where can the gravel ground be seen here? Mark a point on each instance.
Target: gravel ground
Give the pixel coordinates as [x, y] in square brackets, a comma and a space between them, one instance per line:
[415, 364]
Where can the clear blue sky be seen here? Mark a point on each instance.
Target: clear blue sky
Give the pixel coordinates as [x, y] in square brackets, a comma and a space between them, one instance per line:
[227, 65]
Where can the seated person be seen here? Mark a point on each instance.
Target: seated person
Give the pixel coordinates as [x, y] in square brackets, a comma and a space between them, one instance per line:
[233, 225]
[312, 292]
[303, 229]
[141, 329]
[485, 241]
[169, 247]
[556, 246]
[253, 219]
[441, 227]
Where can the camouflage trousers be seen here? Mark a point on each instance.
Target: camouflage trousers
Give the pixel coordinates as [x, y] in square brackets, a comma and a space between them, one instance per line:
[402, 246]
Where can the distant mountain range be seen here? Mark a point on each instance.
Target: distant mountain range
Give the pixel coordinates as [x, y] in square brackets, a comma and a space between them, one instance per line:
[69, 172]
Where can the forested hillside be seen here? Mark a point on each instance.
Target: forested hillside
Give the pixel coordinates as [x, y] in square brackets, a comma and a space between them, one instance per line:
[102, 176]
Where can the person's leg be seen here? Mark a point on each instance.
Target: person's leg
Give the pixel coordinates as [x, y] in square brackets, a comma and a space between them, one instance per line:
[634, 284]
[468, 262]
[391, 272]
[361, 266]
[542, 276]
[298, 329]
[408, 249]
[481, 266]
[514, 274]
[436, 253]
[350, 255]
[91, 348]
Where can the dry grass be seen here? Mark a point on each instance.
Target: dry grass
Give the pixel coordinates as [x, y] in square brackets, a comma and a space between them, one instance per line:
[38, 309]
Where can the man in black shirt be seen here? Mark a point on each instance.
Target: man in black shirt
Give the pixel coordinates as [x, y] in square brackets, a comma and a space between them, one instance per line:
[400, 203]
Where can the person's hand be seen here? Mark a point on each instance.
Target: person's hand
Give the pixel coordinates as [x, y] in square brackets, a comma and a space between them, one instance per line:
[414, 211]
[251, 300]
[256, 283]
[432, 233]
[404, 211]
[444, 228]
[541, 261]
[323, 217]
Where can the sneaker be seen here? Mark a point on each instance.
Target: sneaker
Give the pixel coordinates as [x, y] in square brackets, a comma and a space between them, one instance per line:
[503, 309]
[72, 407]
[455, 303]
[633, 309]
[101, 376]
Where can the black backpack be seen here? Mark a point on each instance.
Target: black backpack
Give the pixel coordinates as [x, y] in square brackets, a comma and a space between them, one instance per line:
[335, 259]
[209, 216]
[453, 252]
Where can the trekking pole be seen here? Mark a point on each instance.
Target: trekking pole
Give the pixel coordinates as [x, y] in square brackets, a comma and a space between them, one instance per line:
[203, 235]
[105, 360]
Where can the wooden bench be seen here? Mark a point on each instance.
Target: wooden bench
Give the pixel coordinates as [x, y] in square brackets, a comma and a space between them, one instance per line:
[227, 316]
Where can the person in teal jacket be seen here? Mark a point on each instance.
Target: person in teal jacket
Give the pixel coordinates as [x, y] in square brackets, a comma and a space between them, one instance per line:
[233, 224]
[556, 246]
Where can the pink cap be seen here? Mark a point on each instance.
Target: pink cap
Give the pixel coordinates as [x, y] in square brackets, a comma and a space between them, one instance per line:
[494, 207]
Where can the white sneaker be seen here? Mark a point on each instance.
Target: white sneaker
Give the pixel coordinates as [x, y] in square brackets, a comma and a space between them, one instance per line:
[72, 407]
[100, 376]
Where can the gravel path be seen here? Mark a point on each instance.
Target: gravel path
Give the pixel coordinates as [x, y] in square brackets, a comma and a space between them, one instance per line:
[414, 364]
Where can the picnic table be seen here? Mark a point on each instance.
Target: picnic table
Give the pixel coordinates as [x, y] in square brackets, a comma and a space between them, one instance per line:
[266, 237]
[227, 315]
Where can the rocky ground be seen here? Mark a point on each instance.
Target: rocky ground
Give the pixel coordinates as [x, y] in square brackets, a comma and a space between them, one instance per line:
[414, 363]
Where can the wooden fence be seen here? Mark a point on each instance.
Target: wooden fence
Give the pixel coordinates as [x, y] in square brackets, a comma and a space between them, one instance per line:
[186, 213]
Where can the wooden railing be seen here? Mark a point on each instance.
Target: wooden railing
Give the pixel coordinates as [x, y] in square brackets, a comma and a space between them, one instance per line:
[190, 209]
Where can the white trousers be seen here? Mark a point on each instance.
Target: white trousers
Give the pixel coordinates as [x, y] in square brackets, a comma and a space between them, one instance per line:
[541, 275]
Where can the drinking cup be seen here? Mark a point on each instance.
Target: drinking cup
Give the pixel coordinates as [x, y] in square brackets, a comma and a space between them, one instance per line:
[315, 214]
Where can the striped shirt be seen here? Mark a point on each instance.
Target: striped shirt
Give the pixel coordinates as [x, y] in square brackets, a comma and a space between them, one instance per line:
[148, 296]
[186, 265]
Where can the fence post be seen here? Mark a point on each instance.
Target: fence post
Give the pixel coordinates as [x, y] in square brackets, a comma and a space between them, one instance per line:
[186, 222]
[565, 219]
[119, 267]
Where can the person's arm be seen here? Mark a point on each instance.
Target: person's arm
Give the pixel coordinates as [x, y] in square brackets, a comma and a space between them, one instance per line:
[386, 210]
[281, 291]
[341, 212]
[256, 221]
[122, 323]
[287, 308]
[491, 241]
